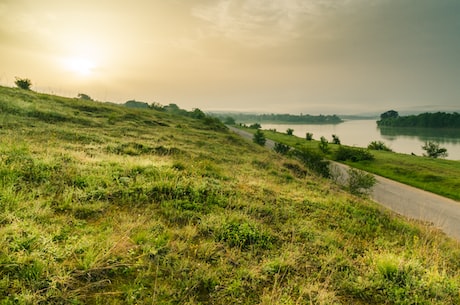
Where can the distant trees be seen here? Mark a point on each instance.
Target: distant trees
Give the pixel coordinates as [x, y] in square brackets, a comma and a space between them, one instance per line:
[433, 150]
[282, 118]
[423, 120]
[23, 83]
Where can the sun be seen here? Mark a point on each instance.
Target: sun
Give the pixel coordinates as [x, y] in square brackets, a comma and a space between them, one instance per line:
[80, 66]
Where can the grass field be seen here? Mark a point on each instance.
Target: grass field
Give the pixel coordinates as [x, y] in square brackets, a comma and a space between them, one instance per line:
[101, 204]
[438, 176]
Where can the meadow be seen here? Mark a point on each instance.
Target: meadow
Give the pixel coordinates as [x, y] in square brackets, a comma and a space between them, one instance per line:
[103, 204]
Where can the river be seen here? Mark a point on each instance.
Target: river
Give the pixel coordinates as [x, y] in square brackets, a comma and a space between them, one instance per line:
[362, 132]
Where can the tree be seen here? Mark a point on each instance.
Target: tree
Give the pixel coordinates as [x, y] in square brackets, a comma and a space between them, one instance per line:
[335, 139]
[290, 131]
[85, 97]
[323, 145]
[229, 121]
[309, 136]
[255, 126]
[23, 83]
[390, 114]
[259, 138]
[433, 150]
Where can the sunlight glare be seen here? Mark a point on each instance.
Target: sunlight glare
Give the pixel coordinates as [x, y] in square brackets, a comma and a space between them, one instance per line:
[81, 66]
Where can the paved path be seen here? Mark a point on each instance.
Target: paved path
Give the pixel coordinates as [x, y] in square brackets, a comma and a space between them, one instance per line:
[411, 202]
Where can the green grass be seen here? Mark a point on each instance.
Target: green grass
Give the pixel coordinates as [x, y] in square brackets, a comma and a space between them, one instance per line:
[101, 204]
[438, 176]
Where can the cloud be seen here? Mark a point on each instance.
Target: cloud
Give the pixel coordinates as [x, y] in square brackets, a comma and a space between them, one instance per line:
[261, 22]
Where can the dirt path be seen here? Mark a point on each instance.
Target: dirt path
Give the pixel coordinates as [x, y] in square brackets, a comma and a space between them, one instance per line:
[408, 201]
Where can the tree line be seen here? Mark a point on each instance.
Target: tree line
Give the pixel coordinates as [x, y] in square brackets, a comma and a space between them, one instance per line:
[424, 120]
[281, 118]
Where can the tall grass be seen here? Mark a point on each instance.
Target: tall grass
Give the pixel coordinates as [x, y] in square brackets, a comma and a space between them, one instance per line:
[123, 211]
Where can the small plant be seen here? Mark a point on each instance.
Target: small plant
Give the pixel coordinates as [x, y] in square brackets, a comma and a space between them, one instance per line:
[378, 145]
[290, 131]
[360, 182]
[23, 83]
[281, 148]
[335, 139]
[309, 136]
[259, 138]
[433, 150]
[324, 145]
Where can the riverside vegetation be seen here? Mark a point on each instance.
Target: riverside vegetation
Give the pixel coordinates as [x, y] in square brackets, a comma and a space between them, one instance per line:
[103, 204]
[438, 176]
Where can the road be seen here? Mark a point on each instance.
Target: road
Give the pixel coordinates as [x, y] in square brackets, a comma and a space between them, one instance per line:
[443, 213]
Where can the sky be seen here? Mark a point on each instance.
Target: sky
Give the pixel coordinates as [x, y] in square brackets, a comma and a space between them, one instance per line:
[271, 56]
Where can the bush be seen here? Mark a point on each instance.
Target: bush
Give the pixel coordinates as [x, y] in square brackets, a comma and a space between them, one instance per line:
[259, 138]
[353, 154]
[23, 83]
[281, 148]
[360, 182]
[313, 161]
[309, 136]
[324, 145]
[335, 139]
[290, 131]
[378, 145]
[433, 150]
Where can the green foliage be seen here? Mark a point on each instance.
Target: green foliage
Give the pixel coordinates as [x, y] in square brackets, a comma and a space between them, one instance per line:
[290, 131]
[309, 136]
[84, 96]
[259, 138]
[229, 121]
[324, 145]
[345, 153]
[335, 139]
[255, 126]
[423, 120]
[313, 161]
[433, 150]
[360, 182]
[284, 118]
[281, 148]
[244, 235]
[378, 145]
[391, 114]
[23, 83]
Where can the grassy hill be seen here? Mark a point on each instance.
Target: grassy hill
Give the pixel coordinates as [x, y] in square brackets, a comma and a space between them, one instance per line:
[103, 204]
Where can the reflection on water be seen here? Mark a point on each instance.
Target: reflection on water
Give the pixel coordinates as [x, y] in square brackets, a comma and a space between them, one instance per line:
[442, 136]
[362, 132]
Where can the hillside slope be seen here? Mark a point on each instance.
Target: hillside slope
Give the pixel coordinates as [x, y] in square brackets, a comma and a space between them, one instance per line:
[102, 204]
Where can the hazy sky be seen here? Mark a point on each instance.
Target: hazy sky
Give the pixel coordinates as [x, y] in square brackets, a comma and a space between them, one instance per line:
[309, 56]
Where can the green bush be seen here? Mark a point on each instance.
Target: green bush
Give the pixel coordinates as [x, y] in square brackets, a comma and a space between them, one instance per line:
[378, 145]
[23, 83]
[314, 161]
[360, 182]
[259, 138]
[281, 148]
[353, 154]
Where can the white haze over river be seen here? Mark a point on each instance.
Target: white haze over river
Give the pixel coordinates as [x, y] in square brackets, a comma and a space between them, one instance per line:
[362, 132]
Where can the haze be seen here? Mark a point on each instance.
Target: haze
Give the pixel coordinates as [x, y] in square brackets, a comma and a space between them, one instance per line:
[318, 56]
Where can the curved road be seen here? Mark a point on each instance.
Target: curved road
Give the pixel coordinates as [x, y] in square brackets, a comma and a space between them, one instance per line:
[411, 202]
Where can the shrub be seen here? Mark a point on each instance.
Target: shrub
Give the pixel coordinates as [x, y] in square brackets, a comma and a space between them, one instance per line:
[309, 136]
[360, 182]
[433, 150]
[23, 83]
[259, 138]
[290, 131]
[335, 139]
[313, 161]
[281, 148]
[378, 145]
[324, 145]
[353, 154]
